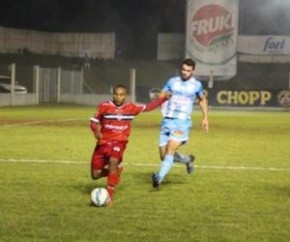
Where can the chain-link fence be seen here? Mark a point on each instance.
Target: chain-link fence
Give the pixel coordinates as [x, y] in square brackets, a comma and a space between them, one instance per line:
[255, 85]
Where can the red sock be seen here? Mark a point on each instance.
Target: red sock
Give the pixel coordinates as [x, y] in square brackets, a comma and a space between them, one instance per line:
[111, 191]
[112, 181]
[120, 170]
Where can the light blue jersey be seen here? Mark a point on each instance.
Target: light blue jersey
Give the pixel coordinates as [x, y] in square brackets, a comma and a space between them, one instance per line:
[177, 123]
[184, 93]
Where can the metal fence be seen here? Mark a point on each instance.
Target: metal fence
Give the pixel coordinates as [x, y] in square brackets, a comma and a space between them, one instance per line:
[256, 85]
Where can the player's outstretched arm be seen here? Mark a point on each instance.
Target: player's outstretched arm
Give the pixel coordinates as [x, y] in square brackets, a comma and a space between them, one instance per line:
[157, 102]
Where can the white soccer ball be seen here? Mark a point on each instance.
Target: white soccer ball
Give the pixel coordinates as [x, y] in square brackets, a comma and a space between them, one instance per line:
[100, 197]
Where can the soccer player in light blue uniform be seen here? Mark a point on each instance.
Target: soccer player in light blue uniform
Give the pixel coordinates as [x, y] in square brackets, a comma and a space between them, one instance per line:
[176, 123]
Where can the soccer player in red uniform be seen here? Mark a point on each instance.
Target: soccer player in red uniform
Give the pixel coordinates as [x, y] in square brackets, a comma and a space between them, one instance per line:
[111, 126]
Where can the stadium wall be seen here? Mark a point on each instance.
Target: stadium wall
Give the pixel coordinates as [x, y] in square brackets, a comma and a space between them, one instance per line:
[91, 45]
[255, 73]
[7, 99]
[86, 99]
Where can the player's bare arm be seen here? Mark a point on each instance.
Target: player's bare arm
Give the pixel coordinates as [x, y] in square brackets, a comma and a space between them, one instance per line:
[204, 108]
[98, 134]
[96, 128]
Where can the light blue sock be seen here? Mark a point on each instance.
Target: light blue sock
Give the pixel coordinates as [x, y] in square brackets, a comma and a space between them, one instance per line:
[165, 166]
[180, 158]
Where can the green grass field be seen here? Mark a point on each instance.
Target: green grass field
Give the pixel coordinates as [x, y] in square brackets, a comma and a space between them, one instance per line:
[240, 190]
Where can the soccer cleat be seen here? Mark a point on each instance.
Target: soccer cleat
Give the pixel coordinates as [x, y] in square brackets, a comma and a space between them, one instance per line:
[109, 203]
[190, 164]
[111, 191]
[155, 180]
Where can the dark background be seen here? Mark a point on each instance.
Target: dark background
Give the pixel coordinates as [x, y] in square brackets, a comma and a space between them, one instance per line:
[136, 23]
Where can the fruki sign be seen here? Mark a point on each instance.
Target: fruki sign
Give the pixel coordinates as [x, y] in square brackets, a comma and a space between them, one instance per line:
[212, 28]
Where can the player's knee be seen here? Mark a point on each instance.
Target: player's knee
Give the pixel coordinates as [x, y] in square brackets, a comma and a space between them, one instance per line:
[113, 161]
[113, 165]
[96, 174]
[172, 147]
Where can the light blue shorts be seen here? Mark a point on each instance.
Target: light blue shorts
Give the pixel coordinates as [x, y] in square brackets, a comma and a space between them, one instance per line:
[174, 129]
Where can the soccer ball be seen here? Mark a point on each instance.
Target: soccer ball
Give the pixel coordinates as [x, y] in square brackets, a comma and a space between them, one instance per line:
[100, 197]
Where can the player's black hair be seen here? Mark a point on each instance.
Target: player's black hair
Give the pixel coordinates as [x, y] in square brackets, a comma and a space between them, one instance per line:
[120, 86]
[189, 62]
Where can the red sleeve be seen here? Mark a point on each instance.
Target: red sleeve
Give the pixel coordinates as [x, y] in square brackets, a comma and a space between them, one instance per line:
[154, 104]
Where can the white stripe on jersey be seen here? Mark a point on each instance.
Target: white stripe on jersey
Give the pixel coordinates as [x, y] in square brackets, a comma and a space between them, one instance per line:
[94, 120]
[119, 117]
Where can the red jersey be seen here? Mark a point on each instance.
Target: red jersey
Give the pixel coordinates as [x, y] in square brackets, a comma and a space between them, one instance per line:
[115, 121]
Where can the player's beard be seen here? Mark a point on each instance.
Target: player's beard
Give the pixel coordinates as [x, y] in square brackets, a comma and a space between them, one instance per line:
[118, 103]
[185, 78]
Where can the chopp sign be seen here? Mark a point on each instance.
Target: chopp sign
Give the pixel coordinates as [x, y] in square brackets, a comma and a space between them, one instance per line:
[244, 97]
[249, 98]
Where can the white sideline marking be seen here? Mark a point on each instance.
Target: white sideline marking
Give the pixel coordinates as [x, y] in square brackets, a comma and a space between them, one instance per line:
[213, 167]
[41, 121]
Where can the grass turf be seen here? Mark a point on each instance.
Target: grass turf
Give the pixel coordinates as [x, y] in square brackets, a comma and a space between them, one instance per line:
[239, 191]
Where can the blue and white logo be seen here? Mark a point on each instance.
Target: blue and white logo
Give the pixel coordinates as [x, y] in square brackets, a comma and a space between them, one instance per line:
[274, 45]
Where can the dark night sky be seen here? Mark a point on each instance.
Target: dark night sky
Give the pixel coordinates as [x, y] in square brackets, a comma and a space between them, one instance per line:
[256, 16]
[92, 15]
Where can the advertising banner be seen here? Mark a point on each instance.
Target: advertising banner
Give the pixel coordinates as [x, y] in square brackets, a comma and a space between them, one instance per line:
[264, 45]
[211, 37]
[249, 98]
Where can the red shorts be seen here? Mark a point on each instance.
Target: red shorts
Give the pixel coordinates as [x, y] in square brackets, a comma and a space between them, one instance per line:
[103, 152]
